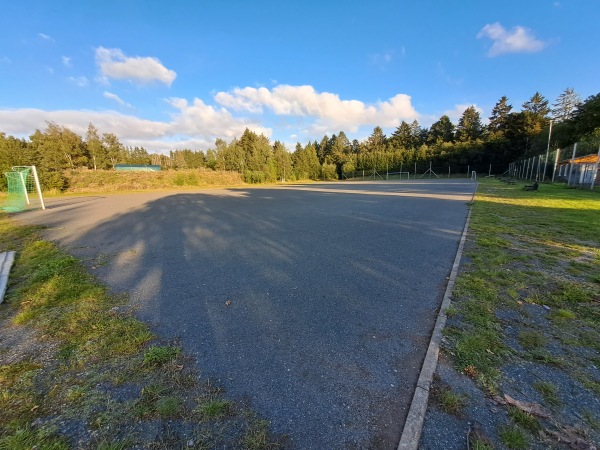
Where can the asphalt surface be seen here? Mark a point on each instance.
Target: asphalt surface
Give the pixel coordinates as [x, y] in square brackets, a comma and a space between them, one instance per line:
[314, 303]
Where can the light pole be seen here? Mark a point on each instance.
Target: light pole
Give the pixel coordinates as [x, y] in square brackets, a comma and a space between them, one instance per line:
[547, 151]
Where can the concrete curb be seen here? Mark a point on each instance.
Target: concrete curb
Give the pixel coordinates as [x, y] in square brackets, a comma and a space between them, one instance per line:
[411, 434]
[6, 261]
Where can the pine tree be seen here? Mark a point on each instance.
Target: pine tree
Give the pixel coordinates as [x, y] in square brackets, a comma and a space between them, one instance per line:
[565, 105]
[441, 131]
[469, 126]
[500, 116]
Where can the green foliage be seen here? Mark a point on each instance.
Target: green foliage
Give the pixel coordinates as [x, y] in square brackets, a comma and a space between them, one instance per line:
[158, 356]
[508, 137]
[27, 439]
[513, 437]
[524, 419]
[548, 390]
[214, 409]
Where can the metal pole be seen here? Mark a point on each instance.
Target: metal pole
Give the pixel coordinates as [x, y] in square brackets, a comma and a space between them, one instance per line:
[547, 151]
[415, 169]
[468, 170]
[429, 169]
[595, 173]
[555, 163]
[490, 172]
[448, 171]
[571, 166]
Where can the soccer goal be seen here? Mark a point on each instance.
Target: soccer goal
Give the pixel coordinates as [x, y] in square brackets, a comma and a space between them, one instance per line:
[23, 185]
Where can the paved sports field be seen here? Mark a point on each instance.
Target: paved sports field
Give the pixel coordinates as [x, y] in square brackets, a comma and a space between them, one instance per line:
[315, 303]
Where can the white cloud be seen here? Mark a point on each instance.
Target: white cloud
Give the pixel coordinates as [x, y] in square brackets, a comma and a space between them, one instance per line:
[328, 109]
[116, 98]
[382, 59]
[200, 119]
[79, 81]
[46, 37]
[517, 40]
[194, 125]
[67, 62]
[143, 69]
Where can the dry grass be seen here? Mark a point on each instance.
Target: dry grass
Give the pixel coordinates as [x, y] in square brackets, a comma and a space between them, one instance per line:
[87, 181]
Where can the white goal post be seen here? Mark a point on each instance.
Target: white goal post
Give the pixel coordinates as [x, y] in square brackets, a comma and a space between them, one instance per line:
[30, 182]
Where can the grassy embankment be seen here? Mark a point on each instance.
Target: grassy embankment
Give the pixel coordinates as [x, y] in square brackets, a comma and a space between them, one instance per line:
[78, 371]
[528, 295]
[80, 181]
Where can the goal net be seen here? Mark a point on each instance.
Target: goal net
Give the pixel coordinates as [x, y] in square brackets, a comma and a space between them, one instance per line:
[24, 189]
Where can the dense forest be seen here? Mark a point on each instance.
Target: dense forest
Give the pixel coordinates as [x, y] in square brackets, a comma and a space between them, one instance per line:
[508, 136]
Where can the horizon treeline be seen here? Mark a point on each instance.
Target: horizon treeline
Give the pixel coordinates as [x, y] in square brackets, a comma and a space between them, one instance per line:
[508, 137]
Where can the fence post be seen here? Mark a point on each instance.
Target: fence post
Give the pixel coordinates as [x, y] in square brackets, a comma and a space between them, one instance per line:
[571, 165]
[595, 174]
[555, 163]
[547, 151]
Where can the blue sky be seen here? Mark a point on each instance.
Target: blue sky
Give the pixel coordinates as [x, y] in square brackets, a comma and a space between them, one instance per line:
[180, 74]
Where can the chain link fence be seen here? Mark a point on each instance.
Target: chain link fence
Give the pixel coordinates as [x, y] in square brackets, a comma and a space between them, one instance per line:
[575, 165]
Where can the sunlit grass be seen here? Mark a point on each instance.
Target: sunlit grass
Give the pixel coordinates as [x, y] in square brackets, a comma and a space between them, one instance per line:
[538, 248]
[89, 349]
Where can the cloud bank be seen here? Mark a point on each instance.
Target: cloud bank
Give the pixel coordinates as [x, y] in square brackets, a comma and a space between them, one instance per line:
[328, 109]
[298, 111]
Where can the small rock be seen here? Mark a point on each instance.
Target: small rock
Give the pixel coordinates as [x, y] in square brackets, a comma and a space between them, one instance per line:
[190, 443]
[546, 307]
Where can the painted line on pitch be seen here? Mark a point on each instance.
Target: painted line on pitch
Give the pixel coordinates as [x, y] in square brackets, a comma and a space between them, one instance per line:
[411, 434]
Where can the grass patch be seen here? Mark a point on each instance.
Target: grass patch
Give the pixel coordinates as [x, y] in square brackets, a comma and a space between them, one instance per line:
[81, 181]
[513, 437]
[451, 402]
[159, 356]
[214, 409]
[528, 249]
[549, 391]
[27, 439]
[524, 419]
[531, 340]
[93, 365]
[257, 437]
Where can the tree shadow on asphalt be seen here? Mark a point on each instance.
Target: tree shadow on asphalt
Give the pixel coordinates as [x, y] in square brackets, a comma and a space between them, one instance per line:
[316, 307]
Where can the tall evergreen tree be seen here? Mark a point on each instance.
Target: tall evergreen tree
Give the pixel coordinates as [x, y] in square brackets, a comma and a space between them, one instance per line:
[441, 131]
[469, 126]
[535, 114]
[565, 105]
[404, 137]
[500, 116]
[376, 142]
[282, 160]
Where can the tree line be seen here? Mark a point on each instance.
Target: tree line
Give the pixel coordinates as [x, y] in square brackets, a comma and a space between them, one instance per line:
[508, 136]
